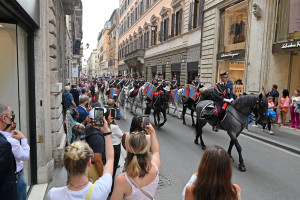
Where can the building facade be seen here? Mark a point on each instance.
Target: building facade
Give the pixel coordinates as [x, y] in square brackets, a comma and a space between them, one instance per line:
[113, 43]
[256, 41]
[92, 63]
[36, 56]
[160, 36]
[103, 50]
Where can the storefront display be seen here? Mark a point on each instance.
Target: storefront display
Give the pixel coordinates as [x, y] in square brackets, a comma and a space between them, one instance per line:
[234, 27]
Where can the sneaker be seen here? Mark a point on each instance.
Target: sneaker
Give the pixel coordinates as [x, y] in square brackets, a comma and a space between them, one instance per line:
[264, 130]
[270, 132]
[247, 130]
[254, 125]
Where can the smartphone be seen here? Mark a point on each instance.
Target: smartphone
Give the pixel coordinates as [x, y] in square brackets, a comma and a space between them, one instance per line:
[98, 116]
[146, 120]
[113, 113]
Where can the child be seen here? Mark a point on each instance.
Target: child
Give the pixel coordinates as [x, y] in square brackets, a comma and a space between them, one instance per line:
[270, 109]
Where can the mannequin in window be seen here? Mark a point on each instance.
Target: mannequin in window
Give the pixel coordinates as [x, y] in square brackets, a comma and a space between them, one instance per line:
[237, 29]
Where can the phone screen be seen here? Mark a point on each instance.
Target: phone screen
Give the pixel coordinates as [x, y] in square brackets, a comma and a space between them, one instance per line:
[98, 116]
[113, 113]
[146, 121]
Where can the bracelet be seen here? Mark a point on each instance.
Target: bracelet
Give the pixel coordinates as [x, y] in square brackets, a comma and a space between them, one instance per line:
[105, 134]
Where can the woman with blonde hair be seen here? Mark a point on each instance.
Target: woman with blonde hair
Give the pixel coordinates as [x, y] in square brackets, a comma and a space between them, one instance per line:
[213, 180]
[77, 159]
[141, 175]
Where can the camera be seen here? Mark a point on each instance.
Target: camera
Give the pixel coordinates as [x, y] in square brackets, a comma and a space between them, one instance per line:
[98, 116]
[146, 121]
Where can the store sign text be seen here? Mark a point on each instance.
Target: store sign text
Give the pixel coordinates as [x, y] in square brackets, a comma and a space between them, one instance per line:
[232, 55]
[291, 45]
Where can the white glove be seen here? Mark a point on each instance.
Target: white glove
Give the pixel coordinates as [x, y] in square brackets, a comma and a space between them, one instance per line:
[228, 100]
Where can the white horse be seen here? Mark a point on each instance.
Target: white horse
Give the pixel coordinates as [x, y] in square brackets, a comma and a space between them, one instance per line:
[139, 99]
[123, 98]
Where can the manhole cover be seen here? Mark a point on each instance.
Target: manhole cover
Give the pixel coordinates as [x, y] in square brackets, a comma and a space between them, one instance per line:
[163, 182]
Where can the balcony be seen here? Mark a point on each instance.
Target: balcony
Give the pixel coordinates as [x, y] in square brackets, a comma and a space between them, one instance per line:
[137, 54]
[68, 6]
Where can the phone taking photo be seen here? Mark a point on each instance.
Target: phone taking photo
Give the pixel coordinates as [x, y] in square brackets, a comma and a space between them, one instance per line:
[113, 113]
[146, 121]
[98, 116]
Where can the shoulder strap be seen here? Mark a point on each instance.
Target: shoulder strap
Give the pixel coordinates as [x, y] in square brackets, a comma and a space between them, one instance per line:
[90, 192]
[137, 186]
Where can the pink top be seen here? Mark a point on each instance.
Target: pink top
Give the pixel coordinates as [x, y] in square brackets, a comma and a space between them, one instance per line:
[150, 189]
[270, 105]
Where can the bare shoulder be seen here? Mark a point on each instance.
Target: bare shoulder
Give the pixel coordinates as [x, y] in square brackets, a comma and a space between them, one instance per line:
[189, 192]
[238, 188]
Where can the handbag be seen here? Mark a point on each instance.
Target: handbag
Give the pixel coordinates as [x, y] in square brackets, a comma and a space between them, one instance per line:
[143, 191]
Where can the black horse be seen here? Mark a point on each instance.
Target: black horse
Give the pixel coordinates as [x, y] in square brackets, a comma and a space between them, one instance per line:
[234, 120]
[160, 105]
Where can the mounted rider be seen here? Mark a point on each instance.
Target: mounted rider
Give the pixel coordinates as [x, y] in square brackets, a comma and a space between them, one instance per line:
[155, 80]
[136, 85]
[221, 94]
[197, 83]
[174, 83]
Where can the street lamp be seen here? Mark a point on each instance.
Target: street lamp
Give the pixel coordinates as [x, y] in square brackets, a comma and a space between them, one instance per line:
[153, 27]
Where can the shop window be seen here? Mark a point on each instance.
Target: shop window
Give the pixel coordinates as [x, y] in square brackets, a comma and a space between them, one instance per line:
[233, 27]
[288, 20]
[236, 74]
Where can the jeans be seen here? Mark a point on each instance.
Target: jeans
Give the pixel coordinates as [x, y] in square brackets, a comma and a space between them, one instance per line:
[21, 186]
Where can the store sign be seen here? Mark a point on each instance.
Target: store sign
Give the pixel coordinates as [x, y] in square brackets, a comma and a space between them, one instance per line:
[286, 47]
[231, 55]
[74, 72]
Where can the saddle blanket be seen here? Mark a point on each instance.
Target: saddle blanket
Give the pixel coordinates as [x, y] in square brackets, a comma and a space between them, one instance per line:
[149, 90]
[113, 92]
[190, 91]
[173, 95]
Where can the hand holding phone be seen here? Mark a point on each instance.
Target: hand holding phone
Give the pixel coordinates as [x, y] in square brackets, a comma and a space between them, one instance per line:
[146, 121]
[98, 116]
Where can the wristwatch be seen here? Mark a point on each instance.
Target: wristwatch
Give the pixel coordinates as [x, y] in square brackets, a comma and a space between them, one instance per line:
[105, 134]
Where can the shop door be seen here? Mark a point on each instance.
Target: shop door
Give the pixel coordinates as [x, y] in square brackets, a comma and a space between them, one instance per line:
[295, 74]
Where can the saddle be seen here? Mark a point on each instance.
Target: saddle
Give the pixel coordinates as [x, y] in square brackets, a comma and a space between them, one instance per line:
[134, 93]
[210, 111]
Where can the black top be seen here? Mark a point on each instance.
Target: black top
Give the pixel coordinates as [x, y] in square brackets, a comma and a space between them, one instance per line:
[96, 141]
[75, 94]
[221, 91]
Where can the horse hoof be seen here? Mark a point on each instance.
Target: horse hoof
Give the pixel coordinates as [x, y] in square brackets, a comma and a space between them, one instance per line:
[203, 147]
[184, 123]
[232, 160]
[196, 141]
[193, 125]
[242, 168]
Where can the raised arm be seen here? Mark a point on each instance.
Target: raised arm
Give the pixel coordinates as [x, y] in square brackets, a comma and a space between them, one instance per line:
[154, 145]
[109, 150]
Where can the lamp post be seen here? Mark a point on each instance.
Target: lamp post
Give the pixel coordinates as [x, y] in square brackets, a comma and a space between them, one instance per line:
[153, 27]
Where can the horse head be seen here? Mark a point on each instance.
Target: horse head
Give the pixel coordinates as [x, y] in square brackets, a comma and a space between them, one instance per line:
[260, 109]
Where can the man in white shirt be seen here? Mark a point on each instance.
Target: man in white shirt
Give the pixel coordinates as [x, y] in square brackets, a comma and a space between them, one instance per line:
[21, 150]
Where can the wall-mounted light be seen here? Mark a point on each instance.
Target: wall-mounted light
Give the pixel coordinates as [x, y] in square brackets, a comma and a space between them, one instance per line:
[1, 26]
[182, 61]
[153, 27]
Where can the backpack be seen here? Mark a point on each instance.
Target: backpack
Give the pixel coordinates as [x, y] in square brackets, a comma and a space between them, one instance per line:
[65, 102]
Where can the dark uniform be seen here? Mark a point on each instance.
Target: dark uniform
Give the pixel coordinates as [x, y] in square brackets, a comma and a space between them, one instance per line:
[174, 85]
[221, 92]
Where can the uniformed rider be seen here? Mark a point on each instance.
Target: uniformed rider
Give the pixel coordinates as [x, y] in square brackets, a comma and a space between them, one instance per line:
[197, 83]
[174, 83]
[221, 94]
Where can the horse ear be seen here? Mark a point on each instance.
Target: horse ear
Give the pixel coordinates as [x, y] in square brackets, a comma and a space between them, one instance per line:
[260, 96]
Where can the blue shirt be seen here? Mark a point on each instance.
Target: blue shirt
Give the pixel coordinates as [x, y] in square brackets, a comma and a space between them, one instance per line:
[69, 98]
[274, 94]
[118, 112]
[83, 113]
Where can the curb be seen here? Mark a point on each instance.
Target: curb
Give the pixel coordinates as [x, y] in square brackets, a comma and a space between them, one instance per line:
[273, 142]
[285, 146]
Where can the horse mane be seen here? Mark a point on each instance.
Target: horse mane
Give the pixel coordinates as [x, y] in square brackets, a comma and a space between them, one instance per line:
[244, 101]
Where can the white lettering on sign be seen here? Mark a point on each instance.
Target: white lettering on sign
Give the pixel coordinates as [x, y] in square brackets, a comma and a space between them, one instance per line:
[224, 55]
[290, 45]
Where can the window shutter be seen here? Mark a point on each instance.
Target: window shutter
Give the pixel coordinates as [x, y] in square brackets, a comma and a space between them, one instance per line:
[201, 7]
[148, 37]
[152, 40]
[172, 25]
[191, 15]
[161, 31]
[167, 27]
[180, 22]
[145, 38]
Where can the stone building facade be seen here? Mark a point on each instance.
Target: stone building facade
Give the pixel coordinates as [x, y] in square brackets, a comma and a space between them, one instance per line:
[161, 36]
[254, 41]
[93, 64]
[37, 56]
[113, 43]
[103, 50]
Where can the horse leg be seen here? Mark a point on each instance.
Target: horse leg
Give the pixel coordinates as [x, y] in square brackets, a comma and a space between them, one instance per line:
[192, 115]
[229, 149]
[165, 118]
[158, 119]
[199, 131]
[124, 109]
[154, 114]
[183, 114]
[238, 147]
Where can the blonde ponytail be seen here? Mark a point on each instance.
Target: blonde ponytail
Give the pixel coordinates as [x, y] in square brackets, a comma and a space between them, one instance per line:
[76, 157]
[138, 161]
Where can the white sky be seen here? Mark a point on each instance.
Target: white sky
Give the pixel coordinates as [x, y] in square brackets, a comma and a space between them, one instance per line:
[95, 14]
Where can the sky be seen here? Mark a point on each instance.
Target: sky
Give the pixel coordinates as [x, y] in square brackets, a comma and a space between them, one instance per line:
[95, 14]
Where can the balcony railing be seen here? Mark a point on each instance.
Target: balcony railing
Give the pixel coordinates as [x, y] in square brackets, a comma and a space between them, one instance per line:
[139, 53]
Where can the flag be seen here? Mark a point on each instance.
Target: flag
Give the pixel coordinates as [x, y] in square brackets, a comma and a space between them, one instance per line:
[149, 90]
[193, 92]
[173, 95]
[186, 91]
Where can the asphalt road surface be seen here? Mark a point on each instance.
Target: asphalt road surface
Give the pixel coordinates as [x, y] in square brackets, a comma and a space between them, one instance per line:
[272, 173]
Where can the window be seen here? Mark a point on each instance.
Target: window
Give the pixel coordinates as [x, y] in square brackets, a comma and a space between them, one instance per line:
[136, 13]
[132, 18]
[164, 30]
[178, 22]
[288, 20]
[141, 42]
[154, 36]
[135, 44]
[147, 4]
[128, 21]
[146, 40]
[141, 7]
[233, 27]
[196, 11]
